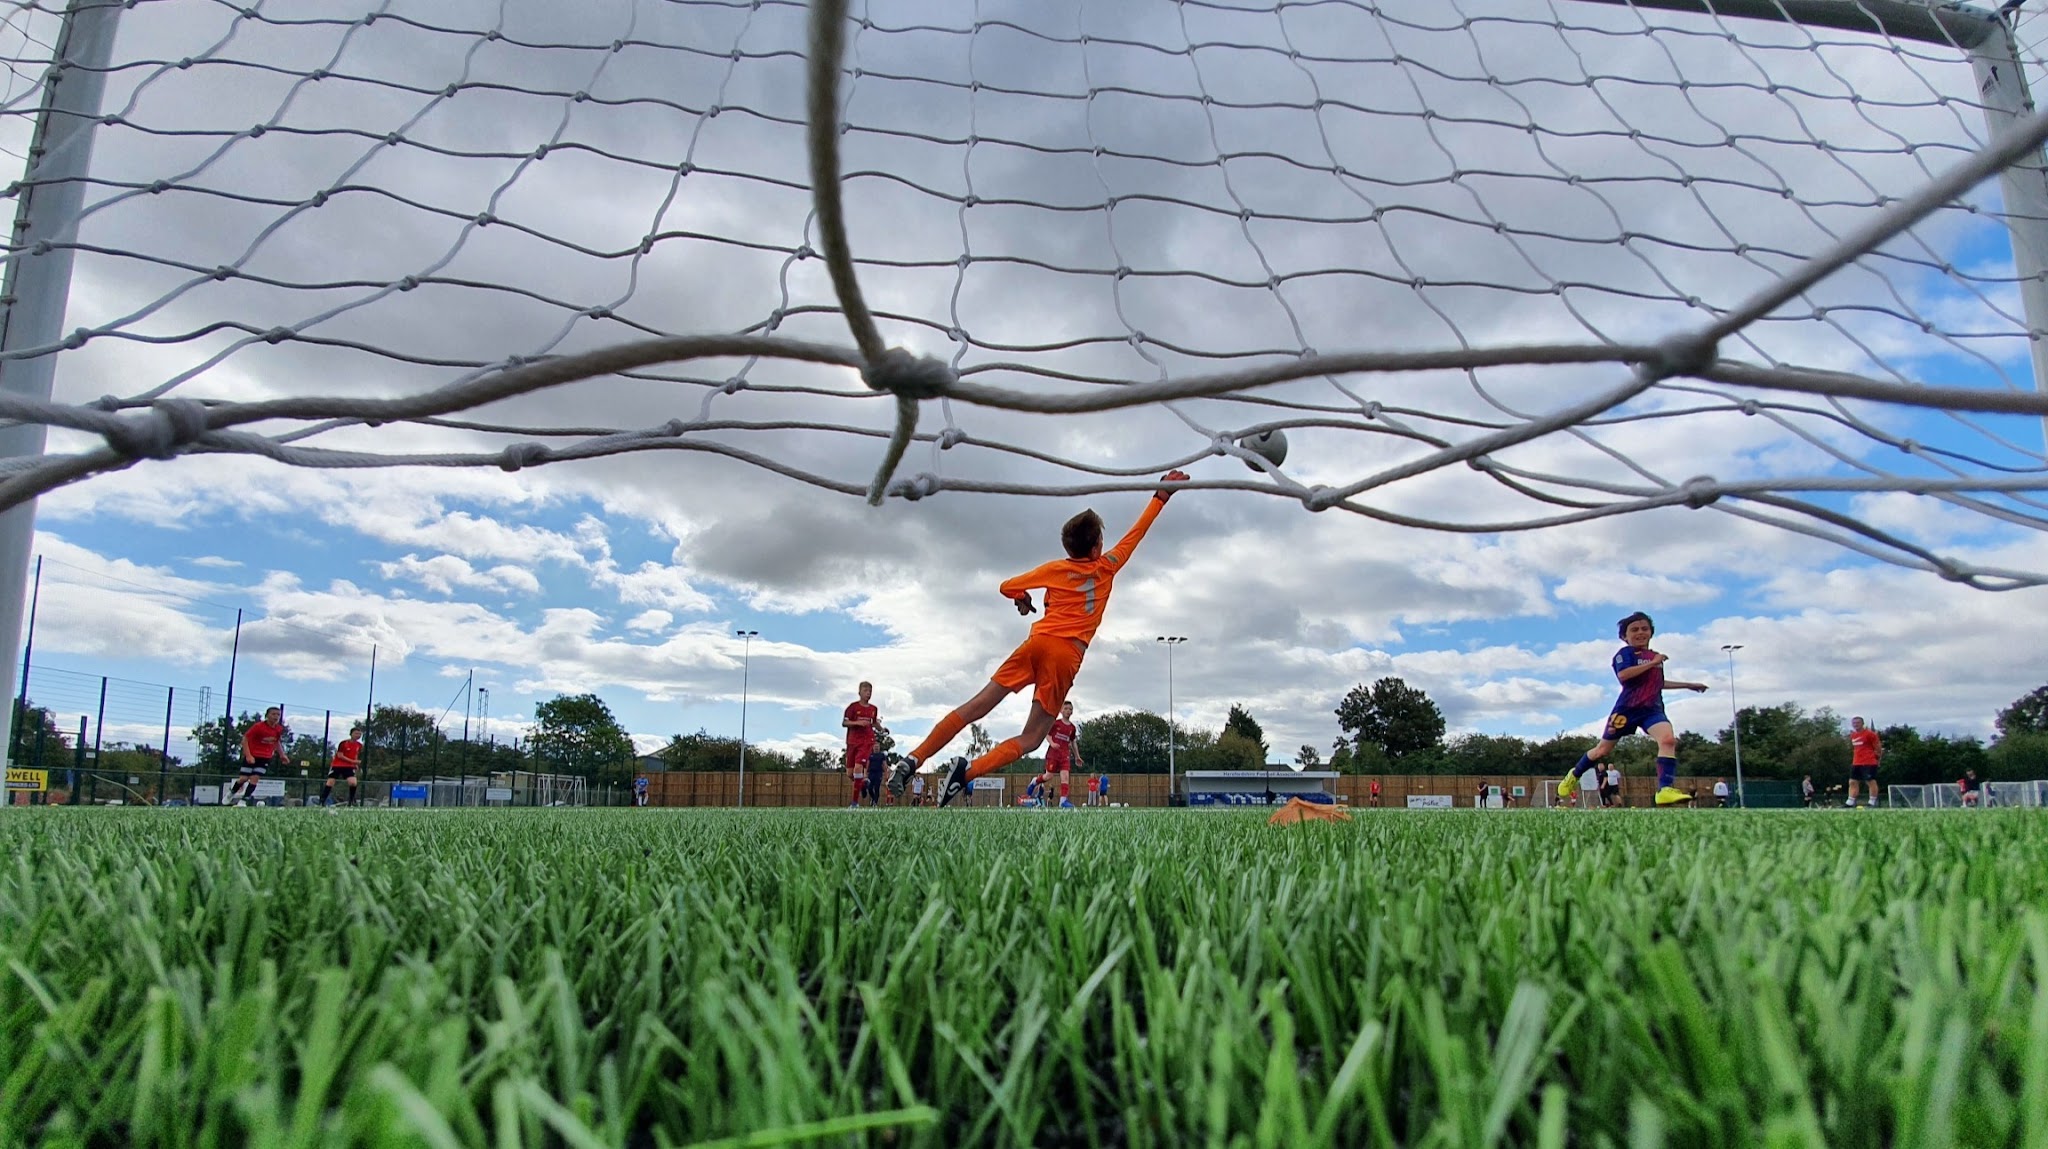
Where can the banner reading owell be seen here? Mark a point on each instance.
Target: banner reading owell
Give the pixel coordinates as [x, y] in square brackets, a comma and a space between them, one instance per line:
[1429, 802]
[27, 779]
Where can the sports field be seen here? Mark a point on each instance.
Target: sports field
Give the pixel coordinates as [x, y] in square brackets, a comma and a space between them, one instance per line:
[1124, 978]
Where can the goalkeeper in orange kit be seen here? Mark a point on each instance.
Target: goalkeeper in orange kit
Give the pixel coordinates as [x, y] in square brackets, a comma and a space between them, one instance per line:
[1076, 594]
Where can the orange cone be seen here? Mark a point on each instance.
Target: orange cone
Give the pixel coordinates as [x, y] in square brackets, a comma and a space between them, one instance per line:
[1298, 810]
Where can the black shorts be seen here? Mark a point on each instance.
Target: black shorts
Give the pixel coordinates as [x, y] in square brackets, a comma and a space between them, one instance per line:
[334, 772]
[258, 767]
[1862, 773]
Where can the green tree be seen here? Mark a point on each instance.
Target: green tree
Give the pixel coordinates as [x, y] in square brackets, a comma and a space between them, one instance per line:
[1553, 756]
[1486, 754]
[1340, 756]
[125, 758]
[1198, 750]
[978, 741]
[2027, 715]
[1309, 758]
[2019, 756]
[1781, 741]
[577, 734]
[1370, 759]
[706, 752]
[1704, 757]
[306, 753]
[818, 758]
[1241, 722]
[26, 723]
[1125, 742]
[456, 757]
[1913, 758]
[1235, 751]
[1398, 718]
[702, 751]
[400, 742]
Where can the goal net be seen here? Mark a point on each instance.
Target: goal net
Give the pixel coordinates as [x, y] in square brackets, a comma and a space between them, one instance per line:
[1488, 265]
[1950, 797]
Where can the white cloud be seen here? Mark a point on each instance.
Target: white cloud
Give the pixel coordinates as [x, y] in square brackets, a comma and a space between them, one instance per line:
[106, 607]
[668, 588]
[650, 620]
[444, 574]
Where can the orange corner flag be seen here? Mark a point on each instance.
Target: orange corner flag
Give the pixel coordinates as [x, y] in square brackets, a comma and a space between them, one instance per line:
[1298, 810]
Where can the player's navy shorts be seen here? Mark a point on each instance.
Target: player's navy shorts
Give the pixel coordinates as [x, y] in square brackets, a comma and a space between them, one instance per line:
[343, 772]
[1863, 773]
[1626, 720]
[257, 767]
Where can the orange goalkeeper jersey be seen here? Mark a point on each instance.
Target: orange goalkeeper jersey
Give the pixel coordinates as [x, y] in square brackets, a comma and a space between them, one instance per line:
[1077, 590]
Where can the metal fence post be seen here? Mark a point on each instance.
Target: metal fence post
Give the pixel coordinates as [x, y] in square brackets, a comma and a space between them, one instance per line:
[163, 763]
[99, 727]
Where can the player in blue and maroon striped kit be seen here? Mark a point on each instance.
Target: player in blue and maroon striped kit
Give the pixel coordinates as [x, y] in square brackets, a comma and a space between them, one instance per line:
[1640, 671]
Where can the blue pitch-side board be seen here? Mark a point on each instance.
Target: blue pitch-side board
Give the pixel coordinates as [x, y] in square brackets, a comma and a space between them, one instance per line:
[1252, 798]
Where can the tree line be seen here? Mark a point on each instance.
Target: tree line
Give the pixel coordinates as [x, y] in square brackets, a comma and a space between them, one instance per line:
[1392, 727]
[1389, 727]
[573, 734]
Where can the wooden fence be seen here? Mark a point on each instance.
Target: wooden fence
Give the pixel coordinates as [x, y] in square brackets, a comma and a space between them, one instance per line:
[823, 788]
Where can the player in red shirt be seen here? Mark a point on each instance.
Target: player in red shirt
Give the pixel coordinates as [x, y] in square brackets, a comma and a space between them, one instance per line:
[1076, 595]
[260, 746]
[861, 721]
[1062, 753]
[1864, 751]
[348, 762]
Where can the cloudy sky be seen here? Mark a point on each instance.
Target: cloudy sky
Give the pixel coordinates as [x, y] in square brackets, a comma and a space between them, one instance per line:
[1053, 197]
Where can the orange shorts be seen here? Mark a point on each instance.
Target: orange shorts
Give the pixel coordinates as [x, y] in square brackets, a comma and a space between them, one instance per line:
[1046, 662]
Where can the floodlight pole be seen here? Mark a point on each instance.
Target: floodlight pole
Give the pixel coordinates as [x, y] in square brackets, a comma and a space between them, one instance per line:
[1170, 642]
[1741, 799]
[37, 284]
[746, 638]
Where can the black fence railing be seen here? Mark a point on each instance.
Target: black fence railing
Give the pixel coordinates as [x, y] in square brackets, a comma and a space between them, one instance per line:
[74, 786]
